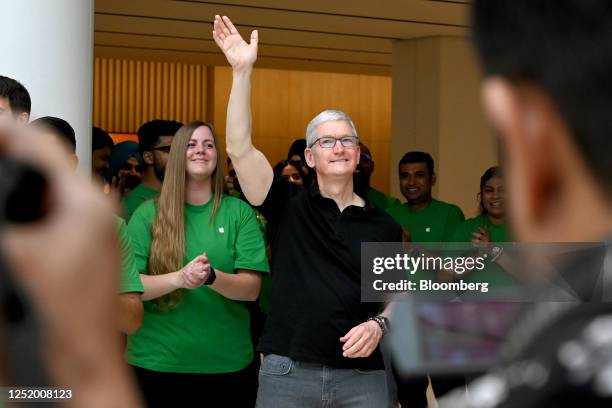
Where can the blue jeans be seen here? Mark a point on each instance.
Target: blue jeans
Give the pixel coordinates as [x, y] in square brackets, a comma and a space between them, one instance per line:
[286, 383]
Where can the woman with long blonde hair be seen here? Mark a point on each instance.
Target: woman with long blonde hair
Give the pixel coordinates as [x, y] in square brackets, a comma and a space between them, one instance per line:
[200, 254]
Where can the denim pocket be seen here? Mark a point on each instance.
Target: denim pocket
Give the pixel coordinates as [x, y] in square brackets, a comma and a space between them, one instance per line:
[369, 372]
[274, 364]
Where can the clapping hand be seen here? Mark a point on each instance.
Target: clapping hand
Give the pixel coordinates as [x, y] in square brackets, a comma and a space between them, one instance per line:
[194, 274]
[482, 236]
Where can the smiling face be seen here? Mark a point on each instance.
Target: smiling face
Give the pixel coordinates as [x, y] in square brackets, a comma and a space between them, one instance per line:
[415, 182]
[492, 196]
[339, 161]
[201, 155]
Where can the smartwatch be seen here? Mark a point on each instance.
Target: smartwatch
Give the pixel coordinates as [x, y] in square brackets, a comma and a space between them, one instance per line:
[211, 278]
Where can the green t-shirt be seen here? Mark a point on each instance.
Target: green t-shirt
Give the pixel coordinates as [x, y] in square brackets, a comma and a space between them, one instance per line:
[205, 332]
[134, 198]
[130, 277]
[436, 223]
[381, 200]
[463, 233]
[493, 273]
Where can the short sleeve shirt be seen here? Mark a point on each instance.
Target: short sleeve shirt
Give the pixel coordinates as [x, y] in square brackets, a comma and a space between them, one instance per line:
[130, 277]
[316, 276]
[436, 223]
[206, 332]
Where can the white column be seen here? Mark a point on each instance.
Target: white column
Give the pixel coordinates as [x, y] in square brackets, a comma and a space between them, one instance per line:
[48, 47]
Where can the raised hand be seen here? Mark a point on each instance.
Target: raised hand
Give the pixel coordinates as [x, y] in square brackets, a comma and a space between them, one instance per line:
[239, 54]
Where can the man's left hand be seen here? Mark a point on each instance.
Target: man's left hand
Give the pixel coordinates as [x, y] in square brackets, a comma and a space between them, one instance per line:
[361, 340]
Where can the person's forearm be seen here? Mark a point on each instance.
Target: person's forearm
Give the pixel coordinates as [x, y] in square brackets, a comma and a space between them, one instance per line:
[243, 286]
[130, 313]
[159, 285]
[238, 130]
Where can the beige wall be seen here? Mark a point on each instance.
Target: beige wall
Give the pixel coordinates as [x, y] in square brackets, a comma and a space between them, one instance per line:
[436, 108]
[285, 101]
[466, 147]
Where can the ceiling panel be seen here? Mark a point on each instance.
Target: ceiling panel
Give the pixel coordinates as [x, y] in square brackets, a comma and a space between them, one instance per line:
[339, 35]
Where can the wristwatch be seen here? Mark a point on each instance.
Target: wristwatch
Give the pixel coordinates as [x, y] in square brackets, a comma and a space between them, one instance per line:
[211, 278]
[382, 322]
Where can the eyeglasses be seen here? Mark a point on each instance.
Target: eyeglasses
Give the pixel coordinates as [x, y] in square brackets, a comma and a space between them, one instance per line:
[162, 148]
[330, 142]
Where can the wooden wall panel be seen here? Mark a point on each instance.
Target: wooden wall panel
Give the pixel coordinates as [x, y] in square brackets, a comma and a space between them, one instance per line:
[285, 101]
[128, 93]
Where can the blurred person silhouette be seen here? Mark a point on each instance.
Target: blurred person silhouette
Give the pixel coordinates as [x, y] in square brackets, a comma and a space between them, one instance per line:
[548, 93]
[71, 233]
[130, 310]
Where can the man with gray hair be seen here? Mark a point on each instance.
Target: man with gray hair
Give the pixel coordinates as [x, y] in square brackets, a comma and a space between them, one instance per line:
[320, 341]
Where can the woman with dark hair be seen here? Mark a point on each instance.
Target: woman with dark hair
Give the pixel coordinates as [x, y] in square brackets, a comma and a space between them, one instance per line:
[291, 171]
[295, 155]
[490, 225]
[200, 254]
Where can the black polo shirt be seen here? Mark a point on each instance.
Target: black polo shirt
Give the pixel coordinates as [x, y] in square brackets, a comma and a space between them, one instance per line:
[316, 279]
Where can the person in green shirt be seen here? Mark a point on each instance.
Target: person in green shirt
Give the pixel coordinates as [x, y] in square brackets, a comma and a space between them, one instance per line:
[490, 225]
[154, 139]
[423, 218]
[130, 311]
[361, 182]
[201, 255]
[130, 287]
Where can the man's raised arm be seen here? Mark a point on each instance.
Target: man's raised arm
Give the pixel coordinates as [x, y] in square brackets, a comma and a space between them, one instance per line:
[252, 168]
